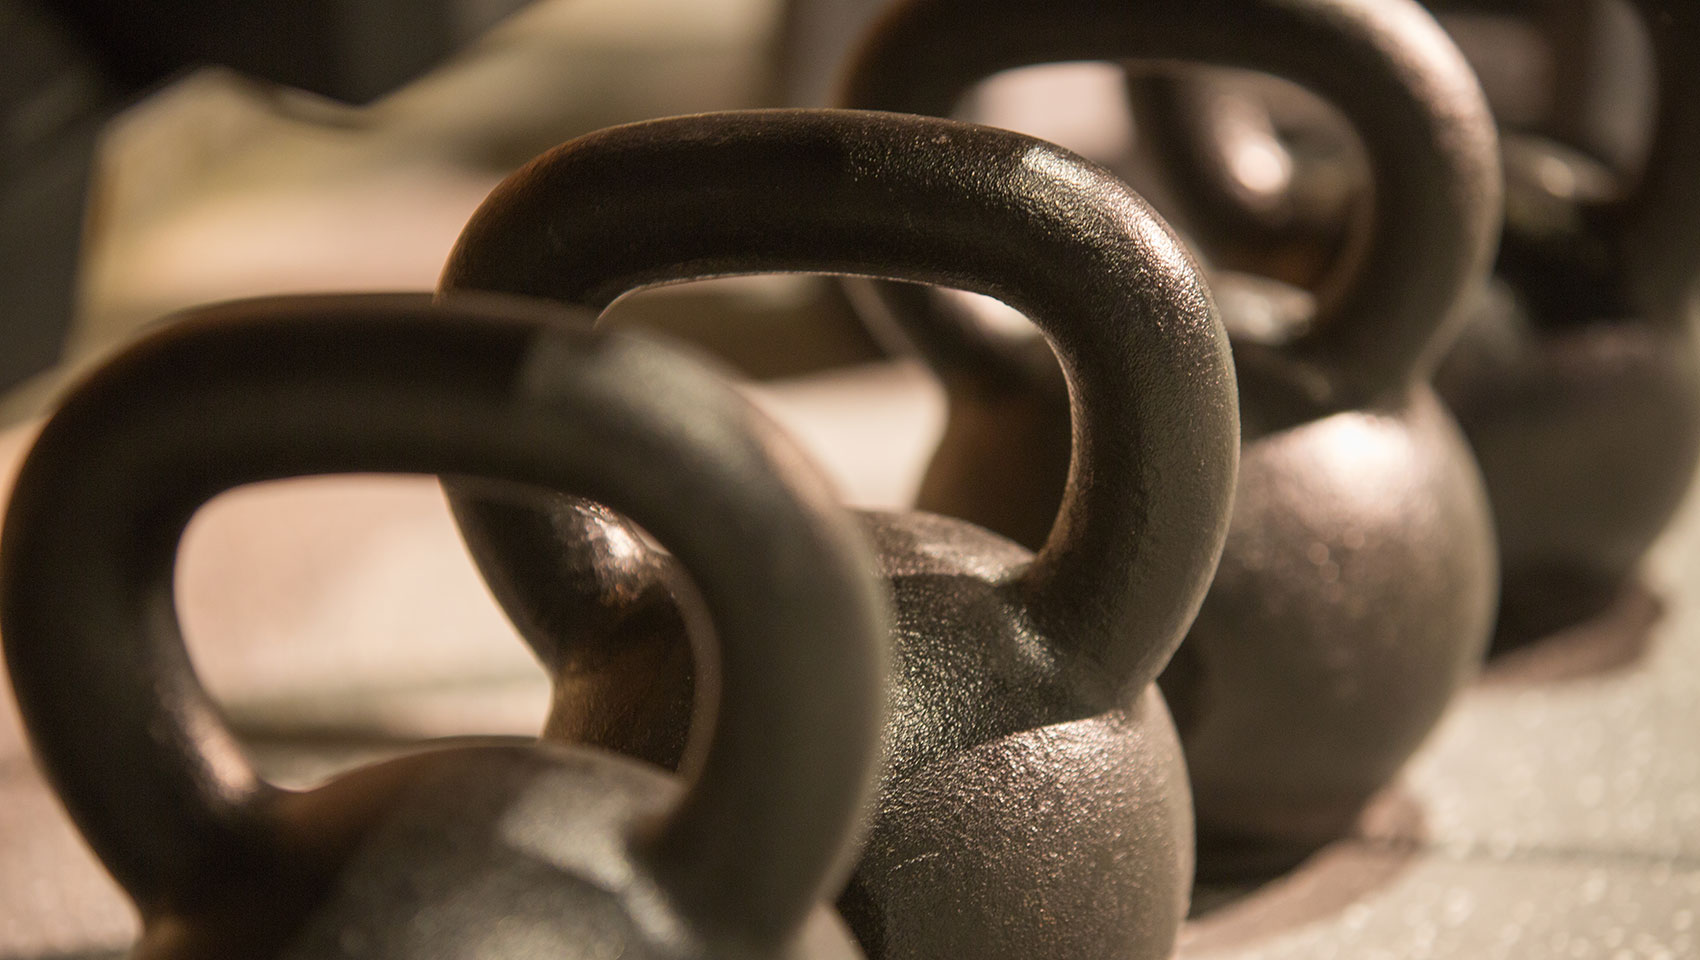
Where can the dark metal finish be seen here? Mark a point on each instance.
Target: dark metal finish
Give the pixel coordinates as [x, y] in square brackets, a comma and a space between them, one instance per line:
[530, 850]
[1356, 589]
[1578, 388]
[1034, 802]
[1581, 397]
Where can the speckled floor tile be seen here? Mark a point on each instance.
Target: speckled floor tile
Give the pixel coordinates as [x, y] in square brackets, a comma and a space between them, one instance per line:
[1366, 904]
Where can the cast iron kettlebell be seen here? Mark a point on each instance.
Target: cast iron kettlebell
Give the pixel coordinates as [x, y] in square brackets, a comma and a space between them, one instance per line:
[1034, 802]
[1577, 383]
[488, 852]
[1356, 590]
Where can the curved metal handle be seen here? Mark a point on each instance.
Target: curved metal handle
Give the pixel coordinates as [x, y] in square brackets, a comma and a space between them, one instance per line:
[1385, 64]
[952, 204]
[507, 392]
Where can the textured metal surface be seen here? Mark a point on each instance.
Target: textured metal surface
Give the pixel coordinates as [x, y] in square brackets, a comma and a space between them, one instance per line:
[1032, 802]
[56, 902]
[1587, 429]
[1556, 811]
[1578, 387]
[521, 850]
[1577, 71]
[1356, 588]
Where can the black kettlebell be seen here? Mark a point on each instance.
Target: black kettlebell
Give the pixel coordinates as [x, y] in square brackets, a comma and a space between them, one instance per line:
[495, 851]
[1034, 802]
[1577, 383]
[1356, 590]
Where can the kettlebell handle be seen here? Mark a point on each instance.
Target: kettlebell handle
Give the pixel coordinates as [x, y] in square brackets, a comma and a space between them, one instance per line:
[931, 201]
[1653, 226]
[1389, 313]
[482, 387]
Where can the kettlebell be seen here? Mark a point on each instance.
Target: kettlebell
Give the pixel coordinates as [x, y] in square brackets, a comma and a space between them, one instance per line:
[1576, 383]
[491, 851]
[1034, 801]
[1356, 589]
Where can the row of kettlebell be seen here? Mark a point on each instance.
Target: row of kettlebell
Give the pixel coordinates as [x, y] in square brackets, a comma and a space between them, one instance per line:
[1351, 598]
[1356, 591]
[1033, 802]
[1573, 377]
[1357, 587]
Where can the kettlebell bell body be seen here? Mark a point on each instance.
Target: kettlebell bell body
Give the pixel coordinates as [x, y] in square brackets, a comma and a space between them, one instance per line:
[1034, 801]
[1356, 589]
[457, 853]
